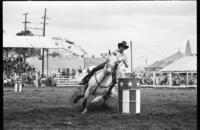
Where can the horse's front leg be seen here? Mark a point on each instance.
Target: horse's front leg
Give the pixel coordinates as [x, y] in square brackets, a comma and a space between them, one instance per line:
[84, 103]
[106, 96]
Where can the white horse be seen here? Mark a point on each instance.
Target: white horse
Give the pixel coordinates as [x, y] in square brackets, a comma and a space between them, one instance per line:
[100, 79]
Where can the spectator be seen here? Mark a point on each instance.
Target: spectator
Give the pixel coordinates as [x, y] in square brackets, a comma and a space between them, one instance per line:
[59, 70]
[182, 80]
[63, 72]
[80, 70]
[73, 73]
[67, 72]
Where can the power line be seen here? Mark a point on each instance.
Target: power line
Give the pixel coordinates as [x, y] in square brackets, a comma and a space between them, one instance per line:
[25, 22]
[44, 29]
[35, 28]
[44, 22]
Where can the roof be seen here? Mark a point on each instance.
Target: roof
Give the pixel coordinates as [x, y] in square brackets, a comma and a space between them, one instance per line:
[28, 42]
[166, 61]
[68, 47]
[185, 64]
[188, 51]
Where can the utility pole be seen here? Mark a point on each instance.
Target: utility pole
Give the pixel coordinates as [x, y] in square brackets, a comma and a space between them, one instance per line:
[44, 27]
[25, 22]
[131, 56]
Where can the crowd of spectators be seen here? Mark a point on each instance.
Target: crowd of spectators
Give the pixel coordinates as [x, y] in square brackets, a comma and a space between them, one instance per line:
[69, 73]
[181, 79]
[16, 69]
[177, 79]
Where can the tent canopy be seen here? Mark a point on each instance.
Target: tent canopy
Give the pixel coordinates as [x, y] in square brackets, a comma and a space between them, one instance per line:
[185, 64]
[13, 41]
[166, 61]
[29, 42]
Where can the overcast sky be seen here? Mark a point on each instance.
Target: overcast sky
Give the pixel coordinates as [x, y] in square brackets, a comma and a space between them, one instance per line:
[156, 28]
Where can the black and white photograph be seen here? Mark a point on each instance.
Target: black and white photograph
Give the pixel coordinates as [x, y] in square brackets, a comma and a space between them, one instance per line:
[99, 65]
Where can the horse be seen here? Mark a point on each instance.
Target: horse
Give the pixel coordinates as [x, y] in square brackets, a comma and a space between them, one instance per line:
[100, 79]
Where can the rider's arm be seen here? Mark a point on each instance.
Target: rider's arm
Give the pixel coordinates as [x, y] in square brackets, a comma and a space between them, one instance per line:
[125, 62]
[121, 58]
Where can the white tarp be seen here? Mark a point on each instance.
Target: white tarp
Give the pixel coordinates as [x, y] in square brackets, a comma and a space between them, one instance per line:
[29, 42]
[185, 64]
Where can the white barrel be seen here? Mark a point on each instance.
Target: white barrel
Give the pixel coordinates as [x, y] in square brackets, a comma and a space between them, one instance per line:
[130, 101]
[128, 96]
[16, 87]
[20, 87]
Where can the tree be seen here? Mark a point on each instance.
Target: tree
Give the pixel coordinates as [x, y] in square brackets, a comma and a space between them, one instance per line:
[25, 33]
[26, 52]
[6, 51]
[54, 54]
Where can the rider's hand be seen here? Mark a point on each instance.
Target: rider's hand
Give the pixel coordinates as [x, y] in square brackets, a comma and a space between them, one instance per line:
[126, 65]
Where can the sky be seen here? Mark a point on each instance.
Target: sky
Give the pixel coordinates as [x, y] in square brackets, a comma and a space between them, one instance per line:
[157, 29]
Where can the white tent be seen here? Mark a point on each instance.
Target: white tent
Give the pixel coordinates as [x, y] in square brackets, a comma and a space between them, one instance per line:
[29, 42]
[69, 47]
[185, 64]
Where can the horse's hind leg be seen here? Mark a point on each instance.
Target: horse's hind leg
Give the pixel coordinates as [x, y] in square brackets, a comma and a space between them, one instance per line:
[78, 97]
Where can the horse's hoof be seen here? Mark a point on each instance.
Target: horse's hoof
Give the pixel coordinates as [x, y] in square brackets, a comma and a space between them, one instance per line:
[84, 111]
[75, 101]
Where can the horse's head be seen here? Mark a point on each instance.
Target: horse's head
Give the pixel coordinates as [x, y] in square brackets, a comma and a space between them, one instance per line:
[111, 63]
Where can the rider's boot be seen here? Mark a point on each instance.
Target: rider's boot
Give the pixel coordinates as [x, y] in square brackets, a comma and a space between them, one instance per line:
[81, 82]
[85, 80]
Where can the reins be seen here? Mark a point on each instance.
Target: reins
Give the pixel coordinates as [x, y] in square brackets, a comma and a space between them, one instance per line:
[99, 83]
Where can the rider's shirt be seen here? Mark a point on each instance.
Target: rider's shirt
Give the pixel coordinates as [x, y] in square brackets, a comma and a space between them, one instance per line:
[121, 57]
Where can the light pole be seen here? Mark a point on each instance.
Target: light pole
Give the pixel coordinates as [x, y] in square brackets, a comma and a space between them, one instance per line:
[131, 56]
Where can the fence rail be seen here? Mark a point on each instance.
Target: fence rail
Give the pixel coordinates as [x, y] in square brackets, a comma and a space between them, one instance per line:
[167, 86]
[64, 82]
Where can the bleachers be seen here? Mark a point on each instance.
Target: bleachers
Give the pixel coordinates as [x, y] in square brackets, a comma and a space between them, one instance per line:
[63, 81]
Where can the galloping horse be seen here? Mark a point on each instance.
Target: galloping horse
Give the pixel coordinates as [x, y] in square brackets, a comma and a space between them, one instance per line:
[102, 79]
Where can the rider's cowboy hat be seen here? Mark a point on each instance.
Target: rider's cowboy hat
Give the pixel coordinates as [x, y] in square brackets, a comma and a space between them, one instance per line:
[123, 44]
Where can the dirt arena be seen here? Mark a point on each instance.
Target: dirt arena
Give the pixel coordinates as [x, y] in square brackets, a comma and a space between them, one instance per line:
[51, 109]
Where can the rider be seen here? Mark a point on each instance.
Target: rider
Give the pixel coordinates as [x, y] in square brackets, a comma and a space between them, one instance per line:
[121, 58]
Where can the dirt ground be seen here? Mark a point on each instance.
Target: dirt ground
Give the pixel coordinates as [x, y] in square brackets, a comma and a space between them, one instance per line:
[51, 109]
